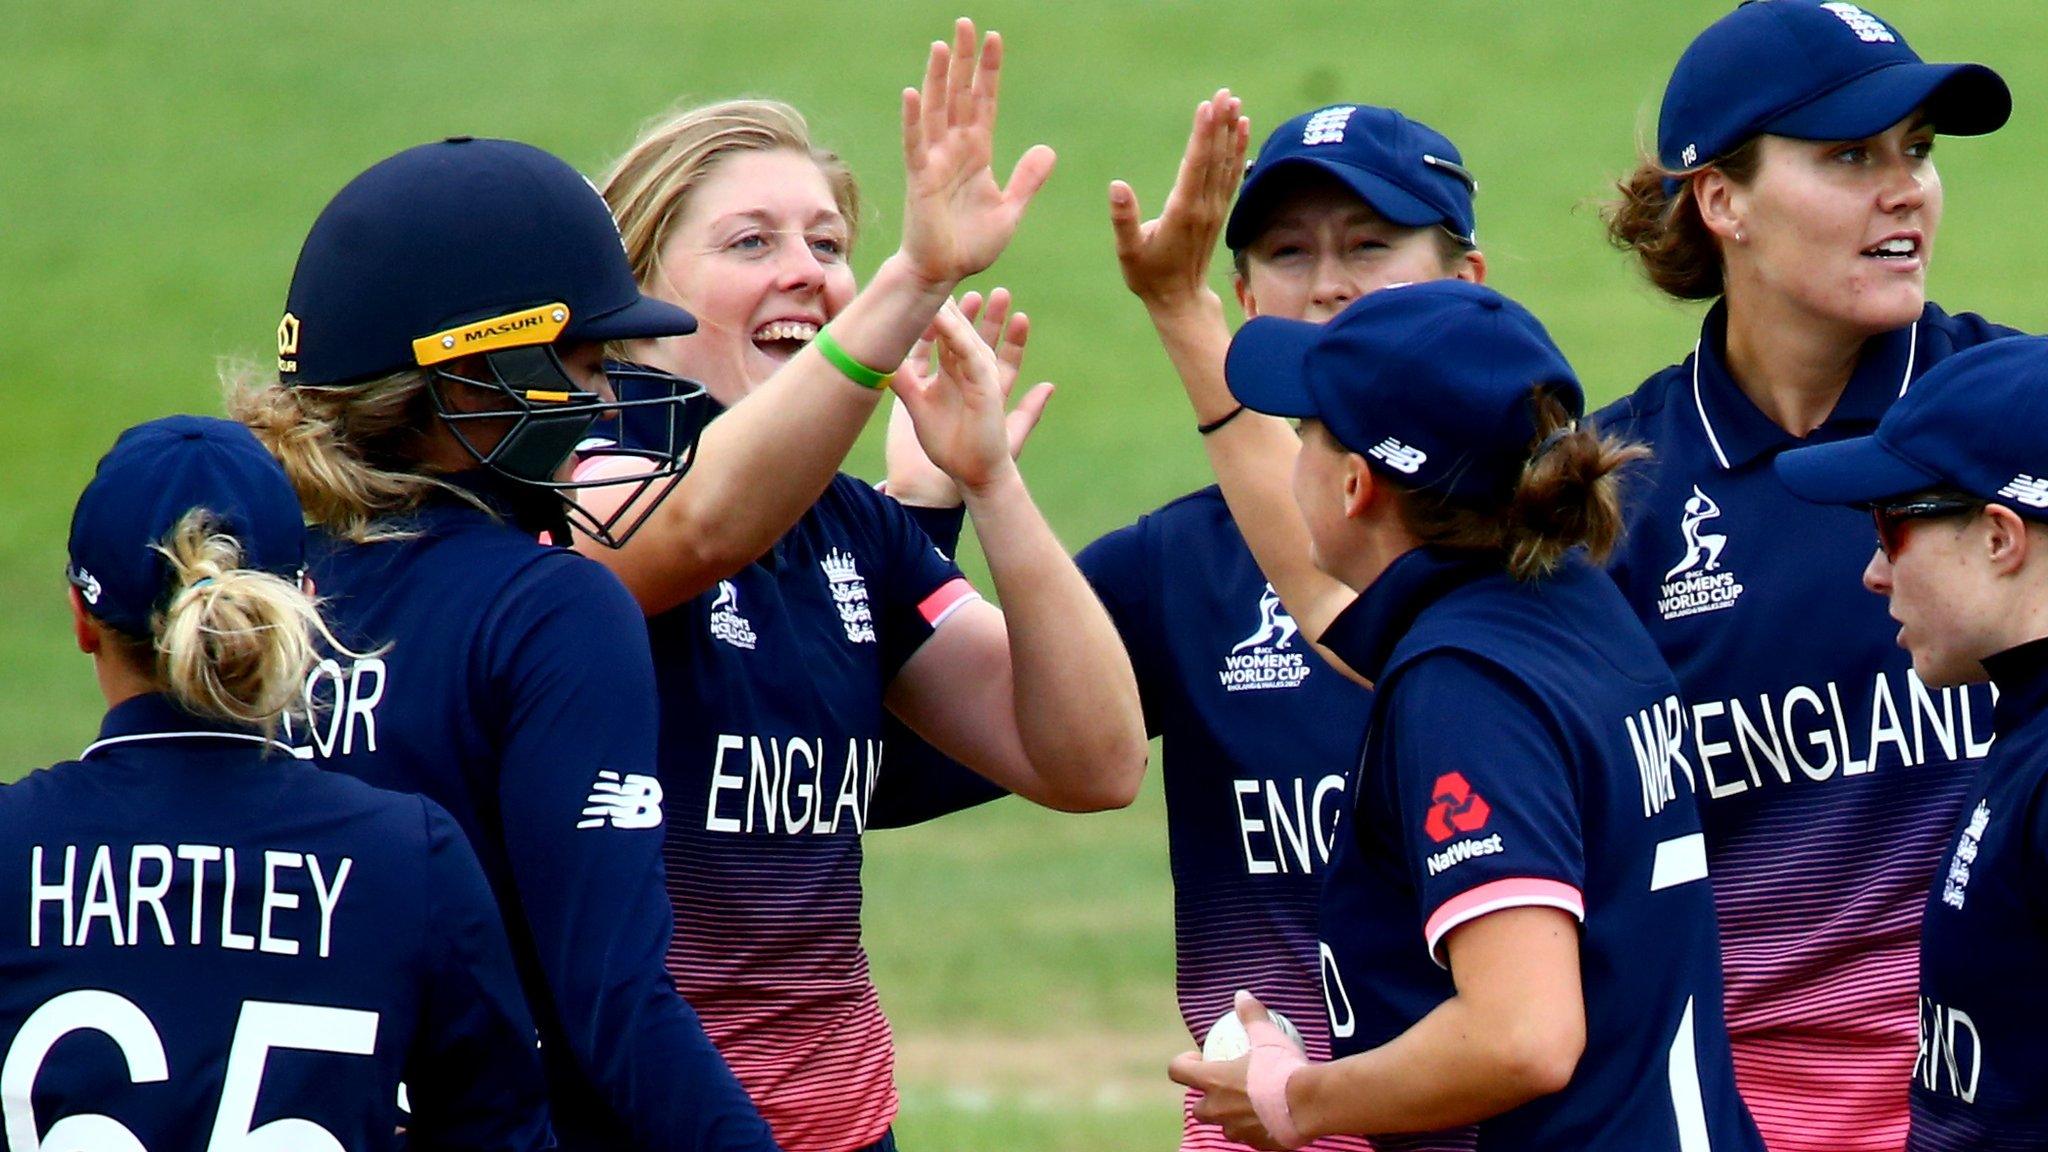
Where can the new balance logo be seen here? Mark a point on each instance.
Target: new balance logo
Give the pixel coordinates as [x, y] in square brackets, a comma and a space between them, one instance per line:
[1327, 126]
[1398, 456]
[2029, 490]
[631, 801]
[1867, 28]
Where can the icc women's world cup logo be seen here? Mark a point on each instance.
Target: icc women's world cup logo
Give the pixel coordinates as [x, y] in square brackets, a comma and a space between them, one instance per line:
[1699, 582]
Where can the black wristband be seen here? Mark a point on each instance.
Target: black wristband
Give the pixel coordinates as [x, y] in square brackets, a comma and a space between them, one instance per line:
[1220, 421]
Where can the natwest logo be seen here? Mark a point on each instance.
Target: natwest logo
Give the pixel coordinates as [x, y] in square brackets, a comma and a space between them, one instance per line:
[1457, 808]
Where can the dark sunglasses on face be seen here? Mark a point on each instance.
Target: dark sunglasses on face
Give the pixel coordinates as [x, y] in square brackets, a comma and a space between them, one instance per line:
[1891, 519]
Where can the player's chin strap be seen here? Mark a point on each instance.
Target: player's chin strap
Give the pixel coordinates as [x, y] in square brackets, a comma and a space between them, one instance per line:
[1274, 1059]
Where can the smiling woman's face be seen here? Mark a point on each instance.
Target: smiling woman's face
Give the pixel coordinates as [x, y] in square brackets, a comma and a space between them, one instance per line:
[1842, 230]
[759, 257]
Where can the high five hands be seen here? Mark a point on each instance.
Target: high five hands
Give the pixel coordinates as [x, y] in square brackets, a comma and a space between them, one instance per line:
[913, 478]
[957, 407]
[1165, 260]
[957, 219]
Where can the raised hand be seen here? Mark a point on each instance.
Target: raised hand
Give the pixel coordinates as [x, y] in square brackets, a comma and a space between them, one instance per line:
[957, 409]
[1165, 261]
[913, 478]
[957, 219]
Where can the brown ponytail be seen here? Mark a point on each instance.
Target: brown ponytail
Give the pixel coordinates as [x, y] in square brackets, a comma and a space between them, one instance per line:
[1568, 496]
[1664, 230]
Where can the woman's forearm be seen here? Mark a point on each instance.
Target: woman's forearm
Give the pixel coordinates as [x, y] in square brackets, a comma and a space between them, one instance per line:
[1253, 459]
[760, 466]
[1075, 697]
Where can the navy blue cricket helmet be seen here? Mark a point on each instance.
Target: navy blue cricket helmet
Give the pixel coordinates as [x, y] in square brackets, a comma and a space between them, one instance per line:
[472, 259]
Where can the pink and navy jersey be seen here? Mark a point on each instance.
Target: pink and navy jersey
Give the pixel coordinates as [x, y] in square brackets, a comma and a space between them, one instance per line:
[773, 741]
[1259, 736]
[1520, 754]
[1980, 1076]
[1829, 775]
[205, 942]
[517, 691]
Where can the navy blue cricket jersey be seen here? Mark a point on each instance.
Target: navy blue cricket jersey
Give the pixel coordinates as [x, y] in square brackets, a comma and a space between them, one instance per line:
[773, 741]
[205, 941]
[1980, 1077]
[1520, 753]
[1829, 774]
[1259, 737]
[519, 693]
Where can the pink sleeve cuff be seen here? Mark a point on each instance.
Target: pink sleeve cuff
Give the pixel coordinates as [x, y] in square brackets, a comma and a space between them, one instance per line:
[946, 600]
[1517, 892]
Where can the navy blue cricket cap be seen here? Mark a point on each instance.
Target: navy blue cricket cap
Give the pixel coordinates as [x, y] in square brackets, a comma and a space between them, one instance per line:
[1431, 383]
[454, 248]
[1410, 173]
[1812, 71]
[1977, 422]
[155, 474]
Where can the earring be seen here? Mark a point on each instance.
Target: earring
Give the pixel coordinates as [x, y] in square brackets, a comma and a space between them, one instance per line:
[1738, 237]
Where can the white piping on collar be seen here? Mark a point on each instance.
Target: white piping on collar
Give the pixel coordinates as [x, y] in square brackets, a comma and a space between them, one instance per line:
[1699, 402]
[1912, 353]
[140, 737]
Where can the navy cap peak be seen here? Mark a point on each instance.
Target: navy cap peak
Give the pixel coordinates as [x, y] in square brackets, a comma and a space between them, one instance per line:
[153, 476]
[1430, 382]
[1812, 70]
[1977, 422]
[1406, 171]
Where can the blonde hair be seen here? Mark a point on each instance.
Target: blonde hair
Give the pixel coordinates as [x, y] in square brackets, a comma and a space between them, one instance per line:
[1664, 229]
[1568, 496]
[231, 643]
[649, 187]
[341, 446]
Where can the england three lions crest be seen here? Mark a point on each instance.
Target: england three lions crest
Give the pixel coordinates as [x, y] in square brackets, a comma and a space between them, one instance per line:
[849, 596]
[1269, 657]
[1698, 583]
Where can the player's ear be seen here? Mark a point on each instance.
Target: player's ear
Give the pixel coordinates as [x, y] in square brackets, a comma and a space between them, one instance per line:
[1360, 485]
[1246, 302]
[84, 629]
[2006, 541]
[1719, 200]
[1471, 267]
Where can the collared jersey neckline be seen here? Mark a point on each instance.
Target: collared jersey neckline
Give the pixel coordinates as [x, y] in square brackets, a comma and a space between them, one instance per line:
[1365, 633]
[1739, 432]
[2021, 674]
[153, 718]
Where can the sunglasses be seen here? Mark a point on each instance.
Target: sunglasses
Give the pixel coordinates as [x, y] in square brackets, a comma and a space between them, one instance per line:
[1891, 519]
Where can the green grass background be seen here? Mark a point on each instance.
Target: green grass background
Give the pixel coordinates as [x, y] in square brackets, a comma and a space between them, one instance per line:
[159, 164]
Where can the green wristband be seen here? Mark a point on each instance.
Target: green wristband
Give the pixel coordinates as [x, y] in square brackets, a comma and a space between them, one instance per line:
[848, 367]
